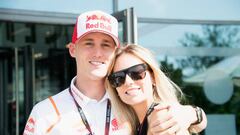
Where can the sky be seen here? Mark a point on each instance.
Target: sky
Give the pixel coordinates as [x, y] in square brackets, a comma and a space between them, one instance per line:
[185, 9]
[148, 34]
[190, 9]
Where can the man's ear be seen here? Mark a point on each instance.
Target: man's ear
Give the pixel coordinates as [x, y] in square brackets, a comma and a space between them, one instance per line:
[72, 49]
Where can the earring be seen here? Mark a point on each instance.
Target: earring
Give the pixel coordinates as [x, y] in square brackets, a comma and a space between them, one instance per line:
[154, 86]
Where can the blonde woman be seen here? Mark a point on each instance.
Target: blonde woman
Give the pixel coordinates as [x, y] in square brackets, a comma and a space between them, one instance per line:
[136, 85]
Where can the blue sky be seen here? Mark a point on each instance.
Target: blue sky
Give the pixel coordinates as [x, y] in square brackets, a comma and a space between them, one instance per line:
[185, 9]
[188, 9]
[167, 9]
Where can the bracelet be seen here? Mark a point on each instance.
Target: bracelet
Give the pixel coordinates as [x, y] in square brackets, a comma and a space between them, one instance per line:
[198, 114]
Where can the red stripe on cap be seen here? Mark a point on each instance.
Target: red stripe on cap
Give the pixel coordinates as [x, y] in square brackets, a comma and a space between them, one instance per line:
[74, 35]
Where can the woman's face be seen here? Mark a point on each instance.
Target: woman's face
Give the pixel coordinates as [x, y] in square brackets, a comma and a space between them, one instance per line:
[137, 86]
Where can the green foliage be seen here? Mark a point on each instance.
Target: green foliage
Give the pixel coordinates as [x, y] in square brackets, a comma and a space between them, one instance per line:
[171, 72]
[212, 36]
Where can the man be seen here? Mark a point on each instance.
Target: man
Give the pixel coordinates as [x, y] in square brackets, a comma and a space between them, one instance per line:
[84, 107]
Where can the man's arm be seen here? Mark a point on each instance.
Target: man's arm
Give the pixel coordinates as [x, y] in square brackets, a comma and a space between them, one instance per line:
[199, 122]
[168, 119]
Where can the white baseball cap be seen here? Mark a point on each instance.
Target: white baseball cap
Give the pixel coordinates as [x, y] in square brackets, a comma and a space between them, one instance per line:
[96, 21]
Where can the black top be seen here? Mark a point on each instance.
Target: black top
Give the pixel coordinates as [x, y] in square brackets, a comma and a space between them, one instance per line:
[143, 127]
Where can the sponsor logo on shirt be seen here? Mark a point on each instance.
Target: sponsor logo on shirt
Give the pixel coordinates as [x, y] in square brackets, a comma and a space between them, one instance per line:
[114, 124]
[29, 129]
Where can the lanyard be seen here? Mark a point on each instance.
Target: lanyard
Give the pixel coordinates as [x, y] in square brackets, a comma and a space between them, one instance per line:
[84, 119]
[143, 127]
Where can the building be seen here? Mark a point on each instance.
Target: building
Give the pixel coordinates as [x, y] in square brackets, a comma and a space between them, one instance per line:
[34, 60]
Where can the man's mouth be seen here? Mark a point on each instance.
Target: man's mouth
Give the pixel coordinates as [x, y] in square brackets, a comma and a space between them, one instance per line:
[96, 63]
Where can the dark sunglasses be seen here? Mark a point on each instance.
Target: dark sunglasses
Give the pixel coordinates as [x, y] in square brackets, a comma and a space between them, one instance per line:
[136, 72]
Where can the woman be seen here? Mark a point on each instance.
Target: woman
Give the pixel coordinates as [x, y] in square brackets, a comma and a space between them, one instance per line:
[136, 84]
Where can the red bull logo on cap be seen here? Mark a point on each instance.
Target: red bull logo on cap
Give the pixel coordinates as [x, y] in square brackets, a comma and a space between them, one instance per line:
[96, 21]
[99, 25]
[95, 17]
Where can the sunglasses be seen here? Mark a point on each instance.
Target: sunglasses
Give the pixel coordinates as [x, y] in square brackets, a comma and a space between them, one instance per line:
[136, 72]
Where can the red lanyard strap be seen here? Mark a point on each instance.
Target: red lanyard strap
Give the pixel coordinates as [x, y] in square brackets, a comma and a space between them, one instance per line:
[108, 118]
[84, 119]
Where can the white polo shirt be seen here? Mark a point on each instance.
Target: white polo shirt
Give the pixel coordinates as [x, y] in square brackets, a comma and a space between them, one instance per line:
[58, 115]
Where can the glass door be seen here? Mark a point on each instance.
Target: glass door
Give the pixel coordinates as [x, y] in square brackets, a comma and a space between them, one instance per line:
[127, 25]
[16, 88]
[7, 102]
[54, 77]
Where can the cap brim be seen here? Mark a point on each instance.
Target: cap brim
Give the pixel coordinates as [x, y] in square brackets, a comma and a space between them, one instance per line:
[116, 40]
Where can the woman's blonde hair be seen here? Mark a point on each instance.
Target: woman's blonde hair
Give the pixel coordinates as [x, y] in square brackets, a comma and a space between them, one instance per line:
[164, 89]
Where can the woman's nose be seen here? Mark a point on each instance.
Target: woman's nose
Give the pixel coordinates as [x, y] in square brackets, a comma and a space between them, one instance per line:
[128, 80]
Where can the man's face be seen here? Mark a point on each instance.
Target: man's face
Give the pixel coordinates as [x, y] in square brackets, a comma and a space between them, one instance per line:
[93, 54]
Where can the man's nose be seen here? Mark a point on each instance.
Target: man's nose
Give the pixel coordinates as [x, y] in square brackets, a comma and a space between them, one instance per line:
[98, 52]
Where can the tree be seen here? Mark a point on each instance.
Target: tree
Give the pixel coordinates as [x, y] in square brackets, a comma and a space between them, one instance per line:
[213, 36]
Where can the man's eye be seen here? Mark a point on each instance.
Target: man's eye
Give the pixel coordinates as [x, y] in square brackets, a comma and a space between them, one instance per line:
[107, 45]
[88, 43]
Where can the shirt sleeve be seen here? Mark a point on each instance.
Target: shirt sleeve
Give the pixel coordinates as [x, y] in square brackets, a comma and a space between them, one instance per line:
[33, 125]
